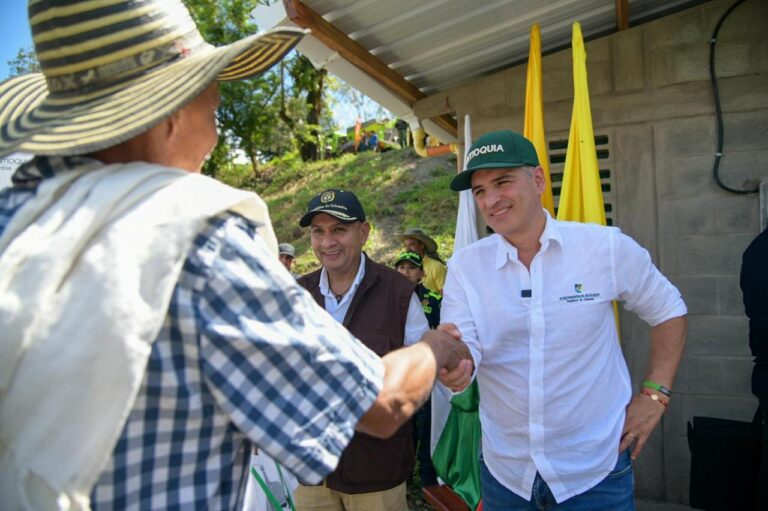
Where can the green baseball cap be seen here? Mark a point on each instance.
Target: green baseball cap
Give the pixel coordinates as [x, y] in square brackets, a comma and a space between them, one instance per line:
[496, 150]
[411, 257]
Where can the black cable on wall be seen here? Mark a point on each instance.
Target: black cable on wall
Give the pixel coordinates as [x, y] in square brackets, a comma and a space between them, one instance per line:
[716, 90]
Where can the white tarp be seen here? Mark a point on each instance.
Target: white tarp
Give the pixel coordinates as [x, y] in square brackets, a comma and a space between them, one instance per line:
[255, 498]
[466, 232]
[8, 164]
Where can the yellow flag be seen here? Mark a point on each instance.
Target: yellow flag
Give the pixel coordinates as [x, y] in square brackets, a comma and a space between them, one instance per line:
[533, 127]
[581, 198]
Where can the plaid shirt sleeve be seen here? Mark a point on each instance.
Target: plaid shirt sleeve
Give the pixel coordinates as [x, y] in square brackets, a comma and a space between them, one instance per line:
[243, 352]
[289, 376]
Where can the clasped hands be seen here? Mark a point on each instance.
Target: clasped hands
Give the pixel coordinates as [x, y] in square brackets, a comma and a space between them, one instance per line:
[454, 361]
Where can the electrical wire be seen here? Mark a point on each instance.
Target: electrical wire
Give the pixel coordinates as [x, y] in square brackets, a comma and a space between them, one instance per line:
[716, 90]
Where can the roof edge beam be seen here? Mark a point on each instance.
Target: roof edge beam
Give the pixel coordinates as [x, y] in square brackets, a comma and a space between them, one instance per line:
[622, 15]
[351, 50]
[359, 56]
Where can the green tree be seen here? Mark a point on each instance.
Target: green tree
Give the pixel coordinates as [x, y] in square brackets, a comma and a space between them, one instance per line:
[218, 159]
[250, 110]
[247, 113]
[308, 87]
[24, 62]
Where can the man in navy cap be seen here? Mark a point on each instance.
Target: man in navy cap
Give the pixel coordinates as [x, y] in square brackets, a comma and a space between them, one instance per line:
[534, 304]
[379, 307]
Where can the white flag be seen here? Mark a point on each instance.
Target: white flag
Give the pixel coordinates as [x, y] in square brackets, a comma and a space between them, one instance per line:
[467, 231]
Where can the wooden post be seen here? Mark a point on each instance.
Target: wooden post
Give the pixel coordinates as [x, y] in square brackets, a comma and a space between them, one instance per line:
[442, 498]
[622, 15]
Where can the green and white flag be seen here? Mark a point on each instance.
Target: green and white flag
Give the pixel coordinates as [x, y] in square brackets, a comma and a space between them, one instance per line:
[455, 422]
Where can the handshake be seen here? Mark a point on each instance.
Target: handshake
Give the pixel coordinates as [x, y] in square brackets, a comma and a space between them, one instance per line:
[454, 361]
[409, 375]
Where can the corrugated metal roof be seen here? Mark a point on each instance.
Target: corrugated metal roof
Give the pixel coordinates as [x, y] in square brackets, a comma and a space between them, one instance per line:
[439, 44]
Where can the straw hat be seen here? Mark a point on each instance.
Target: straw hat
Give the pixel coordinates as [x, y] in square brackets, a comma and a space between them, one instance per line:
[113, 69]
[418, 234]
[286, 249]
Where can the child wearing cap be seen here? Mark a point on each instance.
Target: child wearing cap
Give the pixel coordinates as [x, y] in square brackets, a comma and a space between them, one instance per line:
[411, 266]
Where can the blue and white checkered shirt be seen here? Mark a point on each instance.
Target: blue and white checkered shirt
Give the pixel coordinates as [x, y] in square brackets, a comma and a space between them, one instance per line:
[245, 356]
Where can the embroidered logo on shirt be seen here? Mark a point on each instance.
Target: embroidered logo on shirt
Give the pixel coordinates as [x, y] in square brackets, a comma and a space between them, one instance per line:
[580, 296]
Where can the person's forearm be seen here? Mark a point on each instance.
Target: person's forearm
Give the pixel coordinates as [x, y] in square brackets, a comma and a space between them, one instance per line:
[667, 344]
[643, 414]
[409, 374]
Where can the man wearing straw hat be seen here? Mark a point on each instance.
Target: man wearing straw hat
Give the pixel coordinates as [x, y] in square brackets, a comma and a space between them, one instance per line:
[150, 334]
[416, 240]
[286, 253]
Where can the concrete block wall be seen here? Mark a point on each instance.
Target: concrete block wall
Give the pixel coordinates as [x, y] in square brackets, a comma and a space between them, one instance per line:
[650, 91]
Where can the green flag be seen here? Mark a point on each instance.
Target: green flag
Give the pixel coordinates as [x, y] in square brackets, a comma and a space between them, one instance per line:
[455, 457]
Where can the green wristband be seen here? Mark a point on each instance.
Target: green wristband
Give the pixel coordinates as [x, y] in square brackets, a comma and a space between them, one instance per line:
[655, 386]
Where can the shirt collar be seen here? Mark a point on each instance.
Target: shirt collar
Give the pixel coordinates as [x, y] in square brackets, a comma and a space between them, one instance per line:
[505, 251]
[325, 288]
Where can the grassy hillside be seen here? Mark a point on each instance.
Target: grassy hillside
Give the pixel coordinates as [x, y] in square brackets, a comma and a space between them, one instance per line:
[398, 189]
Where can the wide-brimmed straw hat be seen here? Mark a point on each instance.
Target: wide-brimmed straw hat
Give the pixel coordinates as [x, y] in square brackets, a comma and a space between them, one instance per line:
[418, 234]
[113, 69]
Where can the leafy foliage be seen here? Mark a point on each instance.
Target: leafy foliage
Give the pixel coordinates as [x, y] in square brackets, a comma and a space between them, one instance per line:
[293, 92]
[398, 189]
[310, 99]
[24, 62]
[247, 112]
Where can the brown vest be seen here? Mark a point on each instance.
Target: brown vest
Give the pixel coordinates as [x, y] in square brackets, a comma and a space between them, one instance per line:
[377, 317]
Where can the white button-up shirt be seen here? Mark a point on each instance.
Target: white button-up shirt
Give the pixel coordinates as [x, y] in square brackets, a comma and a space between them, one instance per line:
[415, 321]
[553, 381]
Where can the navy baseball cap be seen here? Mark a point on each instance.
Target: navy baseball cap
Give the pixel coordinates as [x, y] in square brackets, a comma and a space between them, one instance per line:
[496, 150]
[337, 203]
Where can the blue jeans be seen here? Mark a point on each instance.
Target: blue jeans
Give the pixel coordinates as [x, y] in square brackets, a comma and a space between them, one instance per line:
[614, 493]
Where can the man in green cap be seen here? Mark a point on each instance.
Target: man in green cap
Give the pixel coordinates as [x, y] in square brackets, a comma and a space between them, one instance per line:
[533, 302]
